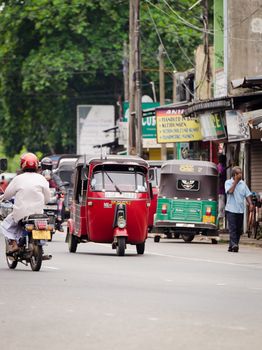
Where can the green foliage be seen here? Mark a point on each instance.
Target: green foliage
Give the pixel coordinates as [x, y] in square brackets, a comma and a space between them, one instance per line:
[56, 54]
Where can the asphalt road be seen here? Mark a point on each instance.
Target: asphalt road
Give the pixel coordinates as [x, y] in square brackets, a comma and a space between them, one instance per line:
[176, 296]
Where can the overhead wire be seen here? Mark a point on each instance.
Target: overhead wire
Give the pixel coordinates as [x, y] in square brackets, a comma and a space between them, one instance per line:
[209, 32]
[160, 40]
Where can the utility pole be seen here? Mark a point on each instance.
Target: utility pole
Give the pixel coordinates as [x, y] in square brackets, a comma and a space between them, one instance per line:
[135, 108]
[162, 90]
[206, 47]
[174, 101]
[138, 90]
[131, 118]
[126, 72]
[208, 69]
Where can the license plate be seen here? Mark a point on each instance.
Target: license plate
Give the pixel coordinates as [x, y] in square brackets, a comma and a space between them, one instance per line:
[41, 234]
[209, 219]
[50, 206]
[184, 225]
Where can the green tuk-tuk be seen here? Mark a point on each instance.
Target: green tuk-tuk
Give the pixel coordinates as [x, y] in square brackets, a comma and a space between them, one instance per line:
[187, 200]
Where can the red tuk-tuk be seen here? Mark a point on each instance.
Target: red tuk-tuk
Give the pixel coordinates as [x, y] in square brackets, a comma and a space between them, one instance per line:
[111, 202]
[154, 178]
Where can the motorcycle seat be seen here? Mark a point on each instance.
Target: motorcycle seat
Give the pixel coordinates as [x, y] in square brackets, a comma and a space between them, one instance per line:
[35, 217]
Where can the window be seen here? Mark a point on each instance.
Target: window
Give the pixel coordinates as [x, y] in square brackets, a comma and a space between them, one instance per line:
[118, 180]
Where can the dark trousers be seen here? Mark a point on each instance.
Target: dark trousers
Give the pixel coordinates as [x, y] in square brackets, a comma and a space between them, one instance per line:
[235, 227]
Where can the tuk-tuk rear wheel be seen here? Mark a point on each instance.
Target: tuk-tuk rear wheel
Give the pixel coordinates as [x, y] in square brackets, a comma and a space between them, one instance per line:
[121, 246]
[72, 243]
[188, 238]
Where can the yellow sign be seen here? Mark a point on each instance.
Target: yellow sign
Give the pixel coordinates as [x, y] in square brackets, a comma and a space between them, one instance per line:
[172, 126]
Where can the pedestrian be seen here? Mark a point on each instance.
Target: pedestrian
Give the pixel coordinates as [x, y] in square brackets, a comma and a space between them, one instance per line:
[3, 184]
[236, 191]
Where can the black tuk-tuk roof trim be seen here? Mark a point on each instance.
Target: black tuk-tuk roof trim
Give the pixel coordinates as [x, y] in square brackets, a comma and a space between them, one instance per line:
[113, 159]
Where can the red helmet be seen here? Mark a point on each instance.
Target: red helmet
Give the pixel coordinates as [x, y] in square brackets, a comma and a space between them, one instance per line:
[29, 161]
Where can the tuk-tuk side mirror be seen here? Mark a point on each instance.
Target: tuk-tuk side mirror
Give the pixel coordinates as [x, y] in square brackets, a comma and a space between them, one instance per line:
[3, 164]
[84, 174]
[151, 174]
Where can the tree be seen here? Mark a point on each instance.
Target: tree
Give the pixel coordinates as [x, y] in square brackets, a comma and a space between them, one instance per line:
[56, 54]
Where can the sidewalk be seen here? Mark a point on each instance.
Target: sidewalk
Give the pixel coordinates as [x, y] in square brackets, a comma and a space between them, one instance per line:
[224, 238]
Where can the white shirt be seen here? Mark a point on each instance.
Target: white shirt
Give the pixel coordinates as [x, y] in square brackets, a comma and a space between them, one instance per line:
[31, 192]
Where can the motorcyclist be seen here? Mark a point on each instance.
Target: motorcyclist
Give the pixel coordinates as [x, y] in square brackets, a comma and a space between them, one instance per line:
[54, 181]
[30, 191]
[47, 164]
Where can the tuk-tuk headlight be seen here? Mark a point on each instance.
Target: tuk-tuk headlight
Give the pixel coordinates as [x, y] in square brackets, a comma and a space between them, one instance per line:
[121, 222]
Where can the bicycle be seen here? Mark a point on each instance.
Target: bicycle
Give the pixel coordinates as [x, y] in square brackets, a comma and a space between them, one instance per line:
[252, 218]
[254, 229]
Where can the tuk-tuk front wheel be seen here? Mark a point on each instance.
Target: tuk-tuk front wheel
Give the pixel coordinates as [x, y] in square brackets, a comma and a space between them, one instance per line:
[140, 248]
[121, 246]
[72, 243]
[188, 238]
[157, 239]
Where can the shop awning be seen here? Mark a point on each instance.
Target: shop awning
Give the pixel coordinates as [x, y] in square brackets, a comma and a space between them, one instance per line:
[208, 105]
[254, 118]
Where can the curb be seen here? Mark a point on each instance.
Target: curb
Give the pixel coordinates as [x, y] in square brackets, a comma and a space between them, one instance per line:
[221, 239]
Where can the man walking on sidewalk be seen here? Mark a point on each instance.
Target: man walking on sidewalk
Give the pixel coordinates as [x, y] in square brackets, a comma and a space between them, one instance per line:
[237, 191]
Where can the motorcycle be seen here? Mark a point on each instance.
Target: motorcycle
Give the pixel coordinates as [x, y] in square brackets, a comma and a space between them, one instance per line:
[36, 231]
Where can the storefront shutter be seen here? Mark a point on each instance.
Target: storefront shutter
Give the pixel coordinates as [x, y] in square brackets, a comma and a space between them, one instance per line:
[256, 166]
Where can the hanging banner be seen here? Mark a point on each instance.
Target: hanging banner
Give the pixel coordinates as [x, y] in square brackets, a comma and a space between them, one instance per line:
[212, 126]
[237, 127]
[172, 126]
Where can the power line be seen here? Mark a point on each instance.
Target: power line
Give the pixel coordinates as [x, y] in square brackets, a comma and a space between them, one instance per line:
[161, 42]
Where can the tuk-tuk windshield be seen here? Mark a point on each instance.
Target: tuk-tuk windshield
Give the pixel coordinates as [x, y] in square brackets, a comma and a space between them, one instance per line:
[122, 179]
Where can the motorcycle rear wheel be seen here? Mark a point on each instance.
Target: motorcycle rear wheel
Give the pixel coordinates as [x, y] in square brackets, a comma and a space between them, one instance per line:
[11, 261]
[36, 258]
[72, 243]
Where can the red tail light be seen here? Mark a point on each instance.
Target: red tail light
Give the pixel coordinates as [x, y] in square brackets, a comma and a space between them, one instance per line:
[208, 211]
[164, 209]
[41, 224]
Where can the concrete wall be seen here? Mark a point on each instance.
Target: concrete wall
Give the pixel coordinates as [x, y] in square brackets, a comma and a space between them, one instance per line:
[244, 32]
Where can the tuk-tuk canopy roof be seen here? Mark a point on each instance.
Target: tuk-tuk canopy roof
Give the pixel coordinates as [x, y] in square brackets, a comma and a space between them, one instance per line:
[196, 167]
[66, 164]
[112, 159]
[155, 163]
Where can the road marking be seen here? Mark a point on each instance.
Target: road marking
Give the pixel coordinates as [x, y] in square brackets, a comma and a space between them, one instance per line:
[152, 318]
[51, 267]
[191, 259]
[204, 260]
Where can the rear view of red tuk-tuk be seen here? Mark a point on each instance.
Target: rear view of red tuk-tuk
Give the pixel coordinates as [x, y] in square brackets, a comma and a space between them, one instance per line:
[111, 203]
